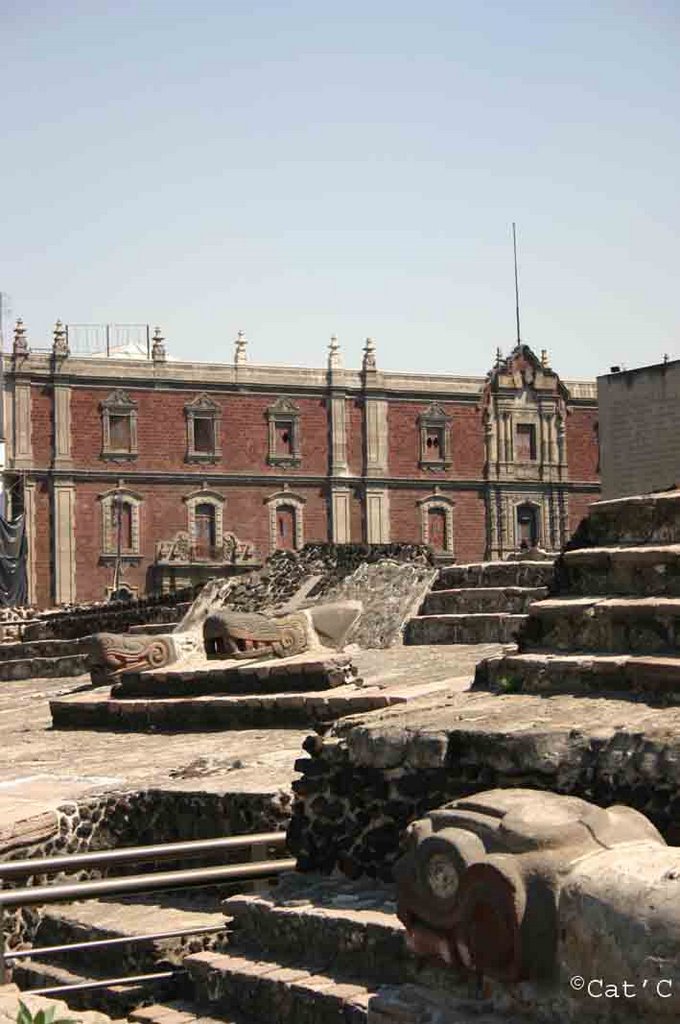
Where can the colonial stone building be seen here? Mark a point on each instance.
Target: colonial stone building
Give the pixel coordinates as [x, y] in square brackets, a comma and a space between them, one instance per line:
[161, 471]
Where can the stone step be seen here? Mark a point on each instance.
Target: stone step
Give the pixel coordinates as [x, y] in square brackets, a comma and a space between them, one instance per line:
[43, 649]
[481, 600]
[652, 570]
[353, 924]
[133, 916]
[635, 625]
[498, 627]
[182, 1012]
[495, 574]
[654, 679]
[642, 519]
[274, 676]
[305, 991]
[44, 668]
[97, 710]
[113, 1000]
[293, 990]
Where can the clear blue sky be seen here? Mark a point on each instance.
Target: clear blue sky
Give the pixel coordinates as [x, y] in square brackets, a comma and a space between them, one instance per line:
[299, 169]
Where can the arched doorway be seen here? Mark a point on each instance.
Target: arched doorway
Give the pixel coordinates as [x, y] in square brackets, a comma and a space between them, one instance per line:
[285, 527]
[528, 533]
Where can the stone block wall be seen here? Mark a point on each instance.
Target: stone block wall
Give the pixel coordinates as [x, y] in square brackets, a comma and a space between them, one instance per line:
[362, 785]
[135, 818]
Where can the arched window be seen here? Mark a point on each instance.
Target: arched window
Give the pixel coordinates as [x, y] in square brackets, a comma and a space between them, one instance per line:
[122, 520]
[285, 527]
[204, 537]
[436, 529]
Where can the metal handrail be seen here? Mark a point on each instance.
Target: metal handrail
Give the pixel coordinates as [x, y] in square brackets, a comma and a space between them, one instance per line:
[83, 986]
[30, 896]
[37, 895]
[136, 854]
[121, 940]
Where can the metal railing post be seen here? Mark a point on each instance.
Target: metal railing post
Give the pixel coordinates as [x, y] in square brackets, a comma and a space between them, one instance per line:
[3, 964]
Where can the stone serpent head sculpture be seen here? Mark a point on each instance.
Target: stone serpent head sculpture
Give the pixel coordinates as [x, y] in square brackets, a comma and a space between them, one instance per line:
[246, 635]
[482, 882]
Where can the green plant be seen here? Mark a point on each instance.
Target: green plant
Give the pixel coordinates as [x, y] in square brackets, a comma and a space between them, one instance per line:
[24, 1016]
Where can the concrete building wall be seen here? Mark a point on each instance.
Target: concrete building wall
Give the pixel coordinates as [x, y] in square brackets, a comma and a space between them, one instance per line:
[639, 429]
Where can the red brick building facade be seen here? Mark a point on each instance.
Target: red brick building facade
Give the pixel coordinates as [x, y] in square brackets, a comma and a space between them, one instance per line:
[168, 466]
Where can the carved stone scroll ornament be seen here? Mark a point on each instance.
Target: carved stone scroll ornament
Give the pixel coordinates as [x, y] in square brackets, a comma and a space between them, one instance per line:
[489, 884]
[242, 635]
[111, 654]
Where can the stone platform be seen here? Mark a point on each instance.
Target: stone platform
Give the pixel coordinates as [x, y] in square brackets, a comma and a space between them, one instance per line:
[299, 674]
[278, 710]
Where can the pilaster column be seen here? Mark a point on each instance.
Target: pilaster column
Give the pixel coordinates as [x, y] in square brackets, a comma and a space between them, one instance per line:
[23, 443]
[29, 519]
[377, 515]
[62, 426]
[554, 448]
[341, 530]
[64, 547]
[338, 435]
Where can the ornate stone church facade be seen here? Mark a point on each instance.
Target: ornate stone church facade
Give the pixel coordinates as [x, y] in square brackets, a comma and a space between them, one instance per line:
[149, 472]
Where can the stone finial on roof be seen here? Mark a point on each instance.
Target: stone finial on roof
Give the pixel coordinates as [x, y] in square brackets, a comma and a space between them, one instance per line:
[334, 357]
[544, 358]
[158, 353]
[499, 357]
[369, 360]
[60, 344]
[240, 349]
[20, 345]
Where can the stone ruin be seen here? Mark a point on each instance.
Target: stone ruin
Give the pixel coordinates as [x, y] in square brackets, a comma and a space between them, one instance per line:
[469, 856]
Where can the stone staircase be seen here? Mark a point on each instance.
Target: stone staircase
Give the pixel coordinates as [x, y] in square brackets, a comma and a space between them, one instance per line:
[612, 623]
[320, 950]
[484, 602]
[122, 919]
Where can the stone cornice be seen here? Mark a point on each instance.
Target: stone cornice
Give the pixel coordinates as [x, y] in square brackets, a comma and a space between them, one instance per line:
[138, 477]
[128, 373]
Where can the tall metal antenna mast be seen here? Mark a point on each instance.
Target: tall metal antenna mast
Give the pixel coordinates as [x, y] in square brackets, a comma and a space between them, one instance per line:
[514, 249]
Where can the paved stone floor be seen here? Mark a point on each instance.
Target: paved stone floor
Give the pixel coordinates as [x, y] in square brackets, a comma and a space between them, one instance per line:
[41, 767]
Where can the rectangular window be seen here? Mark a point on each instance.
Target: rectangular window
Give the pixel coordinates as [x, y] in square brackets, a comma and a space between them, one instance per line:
[434, 445]
[283, 438]
[120, 432]
[525, 442]
[204, 434]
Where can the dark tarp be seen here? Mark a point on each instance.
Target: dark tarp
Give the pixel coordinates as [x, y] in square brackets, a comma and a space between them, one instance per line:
[13, 551]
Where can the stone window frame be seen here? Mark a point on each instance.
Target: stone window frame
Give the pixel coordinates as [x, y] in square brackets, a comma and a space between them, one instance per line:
[532, 426]
[205, 497]
[203, 407]
[109, 538]
[284, 411]
[435, 418]
[539, 506]
[118, 403]
[286, 499]
[439, 503]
